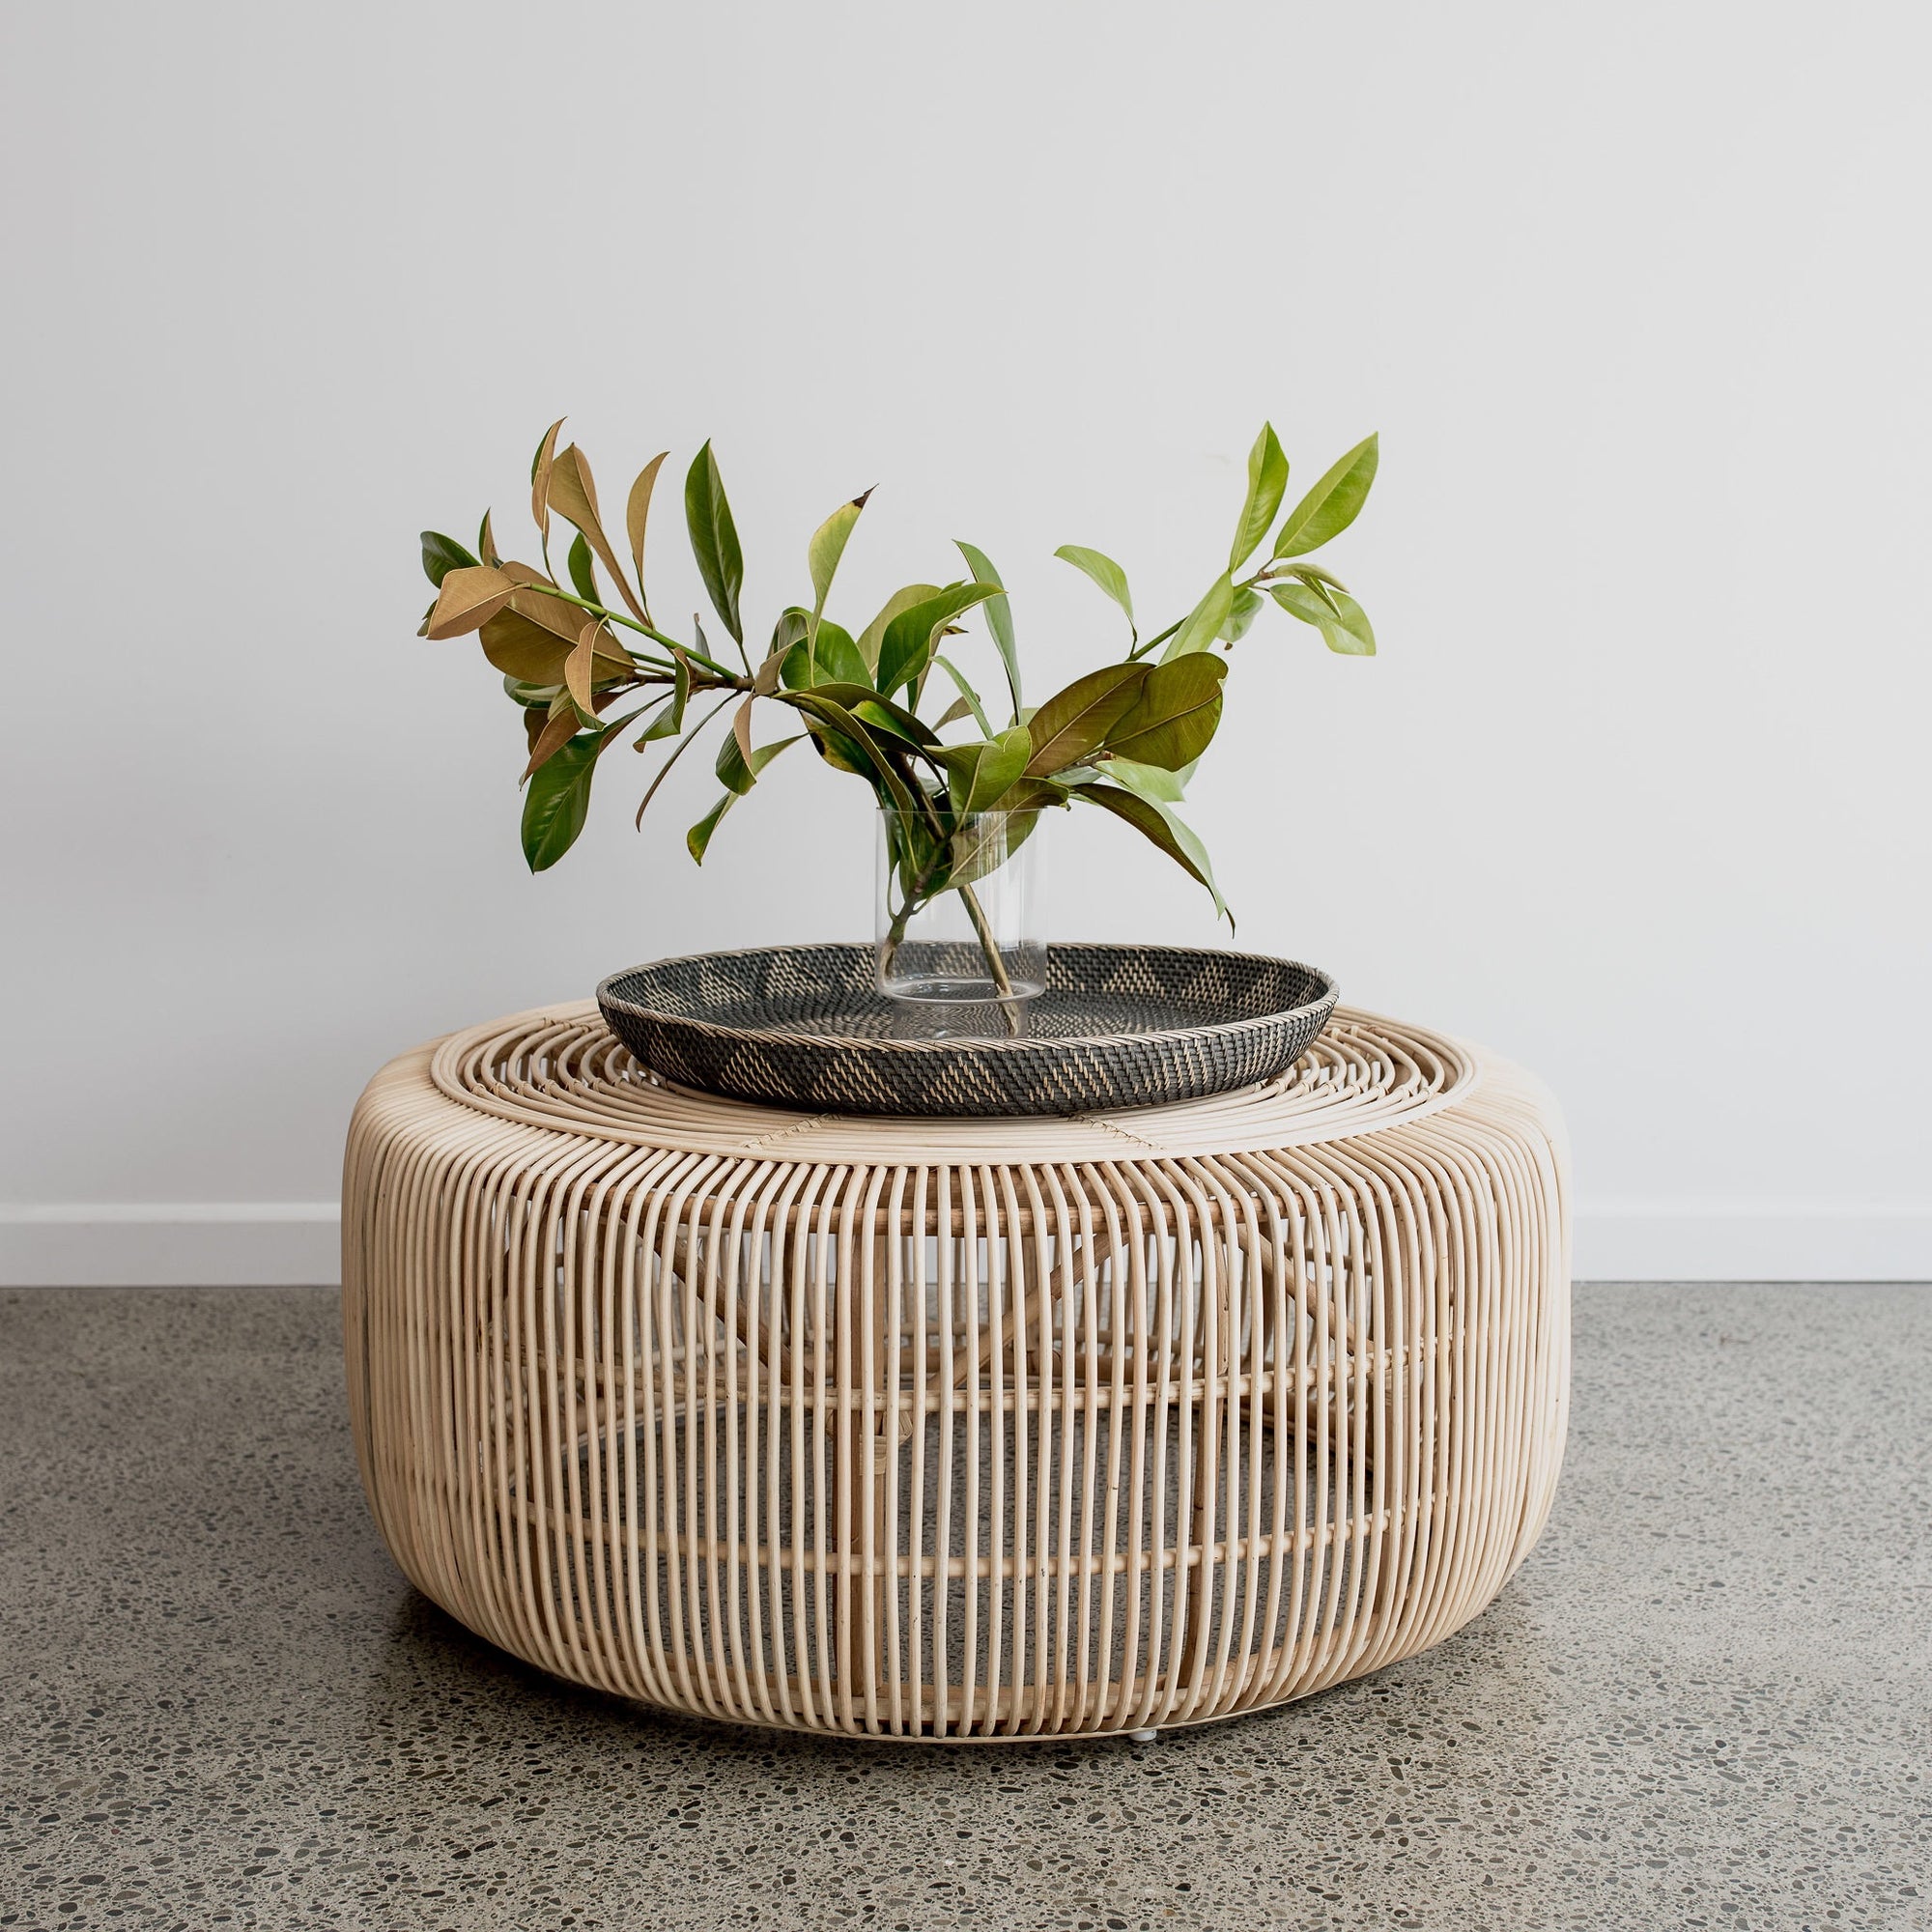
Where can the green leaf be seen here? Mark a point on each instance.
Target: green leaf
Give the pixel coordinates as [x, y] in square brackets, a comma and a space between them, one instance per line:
[906, 647]
[1149, 781]
[839, 660]
[789, 632]
[881, 712]
[1075, 721]
[1202, 624]
[1104, 571]
[873, 635]
[1033, 794]
[977, 776]
[827, 546]
[851, 736]
[1197, 861]
[1332, 504]
[986, 846]
[529, 695]
[1324, 589]
[1314, 575]
[1267, 483]
[441, 555]
[713, 539]
[582, 573]
[1343, 622]
[893, 719]
[1159, 825]
[999, 617]
[1299, 601]
[1174, 717]
[1240, 614]
[1353, 636]
[734, 774]
[841, 754]
[557, 801]
[968, 704]
[698, 840]
[669, 722]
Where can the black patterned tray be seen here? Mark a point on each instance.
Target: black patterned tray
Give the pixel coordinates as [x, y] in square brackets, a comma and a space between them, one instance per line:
[1117, 1026]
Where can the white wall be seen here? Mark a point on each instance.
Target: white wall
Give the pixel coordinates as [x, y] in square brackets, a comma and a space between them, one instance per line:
[1638, 298]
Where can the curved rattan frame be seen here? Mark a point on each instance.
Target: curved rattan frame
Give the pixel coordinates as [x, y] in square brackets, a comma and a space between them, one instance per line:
[960, 1430]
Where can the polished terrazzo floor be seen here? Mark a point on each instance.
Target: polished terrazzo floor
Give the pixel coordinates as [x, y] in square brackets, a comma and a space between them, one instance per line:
[1705, 1701]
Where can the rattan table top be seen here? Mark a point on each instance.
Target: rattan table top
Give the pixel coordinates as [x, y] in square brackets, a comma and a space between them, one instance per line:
[559, 1067]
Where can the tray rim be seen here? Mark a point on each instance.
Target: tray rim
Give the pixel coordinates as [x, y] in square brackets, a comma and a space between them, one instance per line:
[869, 1042]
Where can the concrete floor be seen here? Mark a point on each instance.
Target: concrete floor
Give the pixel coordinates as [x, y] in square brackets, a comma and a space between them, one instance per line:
[1705, 1701]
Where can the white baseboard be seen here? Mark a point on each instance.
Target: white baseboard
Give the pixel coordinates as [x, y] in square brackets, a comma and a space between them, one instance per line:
[1748, 1240]
[171, 1244]
[278, 1243]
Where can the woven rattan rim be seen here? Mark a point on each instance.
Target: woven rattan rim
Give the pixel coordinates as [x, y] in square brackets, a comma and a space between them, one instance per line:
[1116, 1026]
[1002, 1048]
[560, 1069]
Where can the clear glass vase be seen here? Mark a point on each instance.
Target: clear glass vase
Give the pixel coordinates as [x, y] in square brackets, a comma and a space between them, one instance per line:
[960, 914]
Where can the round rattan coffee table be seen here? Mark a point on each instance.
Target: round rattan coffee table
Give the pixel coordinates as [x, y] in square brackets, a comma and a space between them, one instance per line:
[957, 1429]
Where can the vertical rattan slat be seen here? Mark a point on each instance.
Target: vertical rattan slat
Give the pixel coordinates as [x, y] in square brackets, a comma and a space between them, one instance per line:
[973, 1428]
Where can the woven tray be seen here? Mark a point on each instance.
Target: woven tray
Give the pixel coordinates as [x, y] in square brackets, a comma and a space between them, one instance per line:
[1117, 1026]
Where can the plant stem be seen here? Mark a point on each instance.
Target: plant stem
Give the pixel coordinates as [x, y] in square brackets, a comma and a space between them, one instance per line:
[725, 671]
[914, 898]
[1262, 576]
[1140, 652]
[990, 947]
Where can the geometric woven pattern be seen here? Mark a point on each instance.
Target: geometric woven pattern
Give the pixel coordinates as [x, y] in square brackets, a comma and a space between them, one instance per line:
[1115, 1025]
[957, 1430]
